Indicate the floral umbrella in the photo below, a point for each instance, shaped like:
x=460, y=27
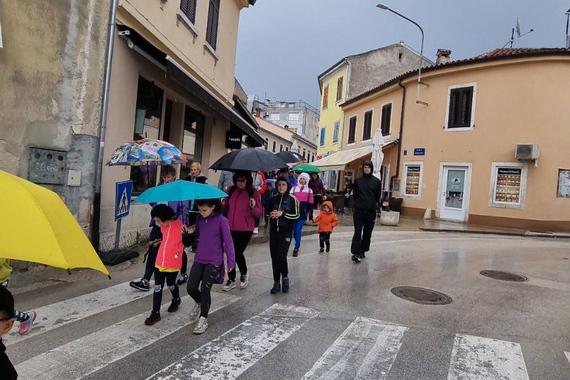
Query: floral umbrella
x=146, y=152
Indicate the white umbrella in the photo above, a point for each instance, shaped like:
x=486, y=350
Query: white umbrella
x=377, y=155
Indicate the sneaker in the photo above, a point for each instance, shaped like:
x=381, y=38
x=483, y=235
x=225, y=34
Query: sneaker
x=276, y=288
x=183, y=279
x=256, y=230
x=229, y=286
x=356, y=259
x=243, y=281
x=174, y=305
x=195, y=312
x=321, y=250
x=141, y=284
x=201, y=326
x=285, y=282
x=295, y=253
x=26, y=327
x=154, y=317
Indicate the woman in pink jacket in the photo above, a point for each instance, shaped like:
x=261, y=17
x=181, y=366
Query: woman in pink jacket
x=242, y=207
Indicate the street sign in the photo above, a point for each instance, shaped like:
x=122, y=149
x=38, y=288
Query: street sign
x=123, y=199
x=419, y=151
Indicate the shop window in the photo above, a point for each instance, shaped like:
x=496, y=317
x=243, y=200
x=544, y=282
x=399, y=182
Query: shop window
x=336, y=132
x=194, y=123
x=352, y=130
x=212, y=27
x=148, y=115
x=339, y=89
x=386, y=119
x=508, y=185
x=461, y=107
x=367, y=129
x=413, y=173
x=563, y=183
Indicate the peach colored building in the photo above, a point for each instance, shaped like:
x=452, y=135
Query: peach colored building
x=491, y=146
x=172, y=79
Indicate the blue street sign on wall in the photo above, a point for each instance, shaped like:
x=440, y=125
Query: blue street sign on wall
x=419, y=151
x=123, y=199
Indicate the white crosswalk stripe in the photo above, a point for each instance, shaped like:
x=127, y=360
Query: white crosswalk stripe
x=59, y=314
x=476, y=358
x=567, y=355
x=241, y=347
x=93, y=352
x=365, y=350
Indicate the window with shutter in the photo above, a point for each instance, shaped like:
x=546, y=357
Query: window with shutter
x=339, y=85
x=188, y=7
x=212, y=27
x=460, y=107
x=367, y=130
x=326, y=97
x=352, y=130
x=386, y=119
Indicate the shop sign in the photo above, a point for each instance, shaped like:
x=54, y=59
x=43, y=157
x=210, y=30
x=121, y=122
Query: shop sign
x=233, y=140
x=508, y=188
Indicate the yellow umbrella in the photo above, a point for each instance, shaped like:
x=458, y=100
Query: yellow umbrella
x=36, y=226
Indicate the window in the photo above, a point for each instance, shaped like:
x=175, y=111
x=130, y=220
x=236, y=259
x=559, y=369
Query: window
x=274, y=116
x=286, y=148
x=188, y=8
x=563, y=183
x=323, y=135
x=367, y=129
x=461, y=107
x=281, y=147
x=326, y=97
x=212, y=28
x=413, y=180
x=508, y=185
x=336, y=132
x=352, y=130
x=294, y=116
x=274, y=145
x=386, y=119
x=339, y=89
x=304, y=153
x=194, y=123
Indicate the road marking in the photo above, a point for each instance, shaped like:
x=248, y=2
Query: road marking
x=476, y=358
x=567, y=355
x=233, y=352
x=95, y=351
x=59, y=314
x=365, y=350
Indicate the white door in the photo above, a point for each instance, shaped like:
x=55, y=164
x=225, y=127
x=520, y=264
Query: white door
x=454, y=193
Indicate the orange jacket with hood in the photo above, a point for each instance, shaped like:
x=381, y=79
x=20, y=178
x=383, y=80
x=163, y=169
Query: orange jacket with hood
x=327, y=219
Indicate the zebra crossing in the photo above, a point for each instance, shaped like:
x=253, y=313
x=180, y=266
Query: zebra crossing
x=366, y=349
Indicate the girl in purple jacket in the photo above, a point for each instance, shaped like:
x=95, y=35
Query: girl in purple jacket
x=213, y=233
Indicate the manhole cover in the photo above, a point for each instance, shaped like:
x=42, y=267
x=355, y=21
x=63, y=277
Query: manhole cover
x=503, y=276
x=421, y=295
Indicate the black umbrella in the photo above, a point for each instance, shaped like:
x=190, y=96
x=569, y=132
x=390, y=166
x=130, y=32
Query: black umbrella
x=290, y=157
x=250, y=159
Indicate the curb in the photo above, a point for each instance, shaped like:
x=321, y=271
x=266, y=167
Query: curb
x=519, y=234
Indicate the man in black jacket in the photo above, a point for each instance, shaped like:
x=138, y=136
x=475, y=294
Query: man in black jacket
x=7, y=371
x=367, y=191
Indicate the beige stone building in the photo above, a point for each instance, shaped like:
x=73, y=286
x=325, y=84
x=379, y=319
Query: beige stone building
x=172, y=79
x=491, y=146
x=279, y=139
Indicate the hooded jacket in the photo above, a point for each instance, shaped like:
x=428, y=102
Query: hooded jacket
x=240, y=215
x=304, y=195
x=367, y=189
x=327, y=219
x=169, y=257
x=286, y=203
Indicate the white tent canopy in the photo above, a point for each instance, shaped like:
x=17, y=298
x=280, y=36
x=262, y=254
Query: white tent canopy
x=338, y=160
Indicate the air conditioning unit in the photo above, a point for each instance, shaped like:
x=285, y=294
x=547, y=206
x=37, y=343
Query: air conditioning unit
x=527, y=152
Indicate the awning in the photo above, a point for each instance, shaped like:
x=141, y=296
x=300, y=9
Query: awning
x=187, y=80
x=338, y=160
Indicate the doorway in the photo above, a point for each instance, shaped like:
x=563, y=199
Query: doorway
x=455, y=185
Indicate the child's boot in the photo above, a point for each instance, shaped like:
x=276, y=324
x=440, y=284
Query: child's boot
x=154, y=317
x=174, y=305
x=285, y=285
x=276, y=288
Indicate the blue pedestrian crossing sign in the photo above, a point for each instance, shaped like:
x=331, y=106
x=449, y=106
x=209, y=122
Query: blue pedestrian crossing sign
x=123, y=199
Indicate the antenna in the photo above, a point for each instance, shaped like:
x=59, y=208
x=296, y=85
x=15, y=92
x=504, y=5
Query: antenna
x=567, y=24
x=517, y=30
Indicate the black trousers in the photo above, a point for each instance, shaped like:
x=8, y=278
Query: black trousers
x=279, y=243
x=241, y=240
x=202, y=277
x=152, y=253
x=363, y=226
x=159, y=278
x=325, y=238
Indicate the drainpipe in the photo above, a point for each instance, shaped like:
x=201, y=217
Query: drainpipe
x=95, y=237
x=400, y=135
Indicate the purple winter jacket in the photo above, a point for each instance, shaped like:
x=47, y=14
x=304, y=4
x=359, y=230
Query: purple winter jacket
x=214, y=238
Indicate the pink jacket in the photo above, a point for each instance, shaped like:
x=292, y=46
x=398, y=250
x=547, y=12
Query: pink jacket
x=169, y=255
x=240, y=215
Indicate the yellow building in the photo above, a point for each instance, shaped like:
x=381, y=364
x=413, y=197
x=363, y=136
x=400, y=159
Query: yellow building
x=491, y=146
x=333, y=92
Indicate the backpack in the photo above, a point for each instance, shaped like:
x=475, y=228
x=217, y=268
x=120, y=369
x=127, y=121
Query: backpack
x=227, y=208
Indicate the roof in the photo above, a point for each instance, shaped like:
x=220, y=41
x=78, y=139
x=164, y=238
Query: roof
x=338, y=160
x=493, y=55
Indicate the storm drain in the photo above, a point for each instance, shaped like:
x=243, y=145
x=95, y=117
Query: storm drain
x=421, y=295
x=503, y=276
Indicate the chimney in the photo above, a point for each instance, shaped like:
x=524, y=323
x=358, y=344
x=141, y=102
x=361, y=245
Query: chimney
x=258, y=112
x=443, y=56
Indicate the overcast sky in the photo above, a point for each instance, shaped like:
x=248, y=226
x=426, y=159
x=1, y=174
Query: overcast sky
x=284, y=45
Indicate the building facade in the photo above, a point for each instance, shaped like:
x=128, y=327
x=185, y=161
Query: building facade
x=299, y=117
x=490, y=147
x=279, y=139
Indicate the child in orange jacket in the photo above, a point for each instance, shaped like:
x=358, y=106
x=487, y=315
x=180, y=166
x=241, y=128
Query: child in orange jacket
x=327, y=221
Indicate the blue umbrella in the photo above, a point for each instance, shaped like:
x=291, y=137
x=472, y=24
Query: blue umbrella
x=180, y=191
